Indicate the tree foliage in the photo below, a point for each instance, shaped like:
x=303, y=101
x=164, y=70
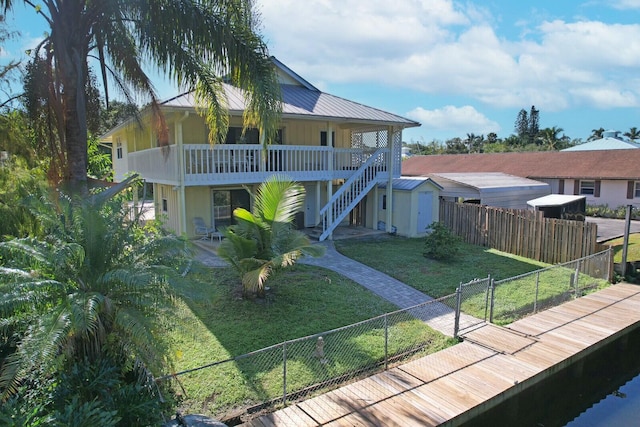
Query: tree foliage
x=264, y=240
x=92, y=286
x=196, y=43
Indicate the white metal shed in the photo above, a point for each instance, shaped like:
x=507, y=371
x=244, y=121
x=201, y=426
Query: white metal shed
x=490, y=188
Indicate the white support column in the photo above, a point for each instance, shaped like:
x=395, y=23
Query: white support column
x=376, y=207
x=316, y=219
x=329, y=194
x=331, y=154
x=182, y=213
x=389, y=212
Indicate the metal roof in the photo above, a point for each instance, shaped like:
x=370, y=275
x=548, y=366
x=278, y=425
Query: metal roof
x=606, y=143
x=301, y=102
x=409, y=183
x=489, y=180
x=554, y=200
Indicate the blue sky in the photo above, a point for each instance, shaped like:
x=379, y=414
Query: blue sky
x=456, y=67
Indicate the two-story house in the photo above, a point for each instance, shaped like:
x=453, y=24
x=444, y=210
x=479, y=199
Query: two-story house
x=338, y=149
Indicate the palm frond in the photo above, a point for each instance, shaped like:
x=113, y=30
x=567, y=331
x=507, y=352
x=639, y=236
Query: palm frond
x=279, y=199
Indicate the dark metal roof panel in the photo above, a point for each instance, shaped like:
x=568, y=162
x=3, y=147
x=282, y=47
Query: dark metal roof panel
x=300, y=101
x=408, y=184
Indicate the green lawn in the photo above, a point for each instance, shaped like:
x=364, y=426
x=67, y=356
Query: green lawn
x=633, y=251
x=402, y=259
x=213, y=324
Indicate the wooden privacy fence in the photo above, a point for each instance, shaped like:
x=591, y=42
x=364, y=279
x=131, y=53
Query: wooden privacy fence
x=520, y=232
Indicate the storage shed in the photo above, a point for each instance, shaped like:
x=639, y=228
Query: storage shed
x=562, y=206
x=415, y=205
x=490, y=188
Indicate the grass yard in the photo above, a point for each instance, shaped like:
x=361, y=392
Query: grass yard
x=213, y=324
x=402, y=259
x=515, y=298
x=633, y=251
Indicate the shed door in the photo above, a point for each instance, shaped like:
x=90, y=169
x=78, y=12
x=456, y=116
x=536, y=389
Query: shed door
x=425, y=210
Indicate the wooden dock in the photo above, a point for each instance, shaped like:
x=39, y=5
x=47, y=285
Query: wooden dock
x=491, y=364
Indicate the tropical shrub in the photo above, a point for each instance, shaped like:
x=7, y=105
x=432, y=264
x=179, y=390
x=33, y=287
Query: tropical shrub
x=440, y=243
x=264, y=240
x=94, y=288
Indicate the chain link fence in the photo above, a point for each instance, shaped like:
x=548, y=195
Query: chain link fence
x=505, y=301
x=289, y=371
x=295, y=369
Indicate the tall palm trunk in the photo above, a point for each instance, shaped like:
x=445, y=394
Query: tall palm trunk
x=70, y=39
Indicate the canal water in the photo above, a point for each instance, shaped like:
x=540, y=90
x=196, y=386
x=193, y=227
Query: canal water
x=601, y=390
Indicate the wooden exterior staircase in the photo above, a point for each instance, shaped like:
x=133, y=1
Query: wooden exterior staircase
x=372, y=172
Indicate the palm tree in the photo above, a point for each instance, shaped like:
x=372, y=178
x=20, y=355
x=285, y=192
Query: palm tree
x=633, y=134
x=549, y=137
x=264, y=240
x=596, y=134
x=196, y=43
x=92, y=288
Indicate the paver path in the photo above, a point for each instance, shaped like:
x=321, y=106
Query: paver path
x=437, y=315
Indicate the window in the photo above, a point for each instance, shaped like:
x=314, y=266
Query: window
x=225, y=202
x=323, y=138
x=587, y=188
x=235, y=136
x=119, y=150
x=636, y=193
x=165, y=203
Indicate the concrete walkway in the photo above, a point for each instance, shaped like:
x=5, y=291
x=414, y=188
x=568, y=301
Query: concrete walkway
x=437, y=315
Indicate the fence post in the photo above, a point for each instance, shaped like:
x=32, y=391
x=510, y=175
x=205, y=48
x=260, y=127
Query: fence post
x=535, y=302
x=284, y=373
x=576, y=279
x=493, y=291
x=610, y=264
x=386, y=342
x=456, y=325
x=486, y=298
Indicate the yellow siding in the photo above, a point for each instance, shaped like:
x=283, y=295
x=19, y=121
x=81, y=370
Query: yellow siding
x=194, y=130
x=297, y=132
x=198, y=204
x=170, y=218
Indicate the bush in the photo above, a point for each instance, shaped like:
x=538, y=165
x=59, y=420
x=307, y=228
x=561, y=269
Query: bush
x=85, y=394
x=604, y=211
x=441, y=243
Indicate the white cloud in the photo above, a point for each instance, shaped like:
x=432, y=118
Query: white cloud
x=626, y=4
x=451, y=118
x=444, y=47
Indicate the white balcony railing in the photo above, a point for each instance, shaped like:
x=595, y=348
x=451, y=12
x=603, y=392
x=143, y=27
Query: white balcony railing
x=246, y=163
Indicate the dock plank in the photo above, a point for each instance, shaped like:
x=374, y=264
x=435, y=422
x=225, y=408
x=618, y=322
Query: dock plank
x=492, y=362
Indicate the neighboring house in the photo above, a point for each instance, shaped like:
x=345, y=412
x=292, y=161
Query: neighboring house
x=414, y=206
x=605, y=177
x=338, y=149
x=611, y=140
x=490, y=188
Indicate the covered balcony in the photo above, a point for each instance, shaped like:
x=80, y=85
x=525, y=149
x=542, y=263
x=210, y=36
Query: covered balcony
x=222, y=164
